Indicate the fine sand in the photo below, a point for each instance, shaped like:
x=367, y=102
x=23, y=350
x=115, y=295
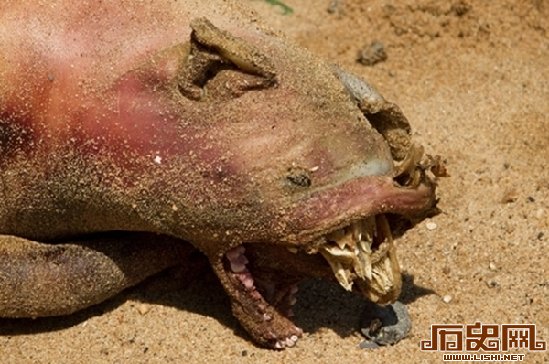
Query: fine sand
x=472, y=77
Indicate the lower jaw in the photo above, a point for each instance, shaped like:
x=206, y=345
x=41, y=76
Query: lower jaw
x=268, y=285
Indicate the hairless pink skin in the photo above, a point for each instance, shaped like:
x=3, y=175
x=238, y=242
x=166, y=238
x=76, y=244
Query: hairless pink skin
x=98, y=134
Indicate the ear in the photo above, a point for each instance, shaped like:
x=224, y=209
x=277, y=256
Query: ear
x=221, y=65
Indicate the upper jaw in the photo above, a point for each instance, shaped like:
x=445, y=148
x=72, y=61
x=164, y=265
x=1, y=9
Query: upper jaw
x=328, y=210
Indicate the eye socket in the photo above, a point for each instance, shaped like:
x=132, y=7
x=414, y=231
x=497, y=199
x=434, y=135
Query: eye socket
x=299, y=177
x=221, y=66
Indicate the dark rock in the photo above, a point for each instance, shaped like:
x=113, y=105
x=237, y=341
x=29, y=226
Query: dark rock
x=384, y=325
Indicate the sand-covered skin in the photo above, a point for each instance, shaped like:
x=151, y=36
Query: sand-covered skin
x=473, y=82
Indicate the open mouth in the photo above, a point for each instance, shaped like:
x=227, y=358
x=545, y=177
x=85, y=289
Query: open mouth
x=361, y=256
x=364, y=253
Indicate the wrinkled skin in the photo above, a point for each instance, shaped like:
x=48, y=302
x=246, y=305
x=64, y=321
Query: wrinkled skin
x=184, y=122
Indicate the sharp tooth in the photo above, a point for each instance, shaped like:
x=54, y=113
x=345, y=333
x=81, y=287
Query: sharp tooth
x=235, y=253
x=356, y=230
x=366, y=263
x=336, y=235
x=342, y=238
x=359, y=268
x=344, y=278
x=385, y=228
x=383, y=276
x=342, y=275
x=238, y=267
x=290, y=343
x=350, y=252
x=368, y=229
x=365, y=246
x=347, y=241
x=364, y=252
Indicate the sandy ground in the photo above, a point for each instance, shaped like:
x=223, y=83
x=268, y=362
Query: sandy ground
x=472, y=77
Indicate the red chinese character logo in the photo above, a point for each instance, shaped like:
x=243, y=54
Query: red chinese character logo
x=482, y=337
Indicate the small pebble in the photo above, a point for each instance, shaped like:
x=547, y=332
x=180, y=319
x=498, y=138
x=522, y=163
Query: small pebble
x=430, y=225
x=366, y=344
x=334, y=7
x=492, y=266
x=509, y=196
x=372, y=53
x=447, y=298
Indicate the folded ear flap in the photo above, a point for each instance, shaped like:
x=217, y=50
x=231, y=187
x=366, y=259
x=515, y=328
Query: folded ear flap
x=220, y=65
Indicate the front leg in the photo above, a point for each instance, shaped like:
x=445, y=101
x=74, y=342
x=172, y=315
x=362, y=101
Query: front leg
x=266, y=323
x=41, y=279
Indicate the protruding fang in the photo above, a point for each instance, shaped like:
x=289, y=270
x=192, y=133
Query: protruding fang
x=356, y=230
x=365, y=259
x=351, y=252
x=382, y=277
x=385, y=228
